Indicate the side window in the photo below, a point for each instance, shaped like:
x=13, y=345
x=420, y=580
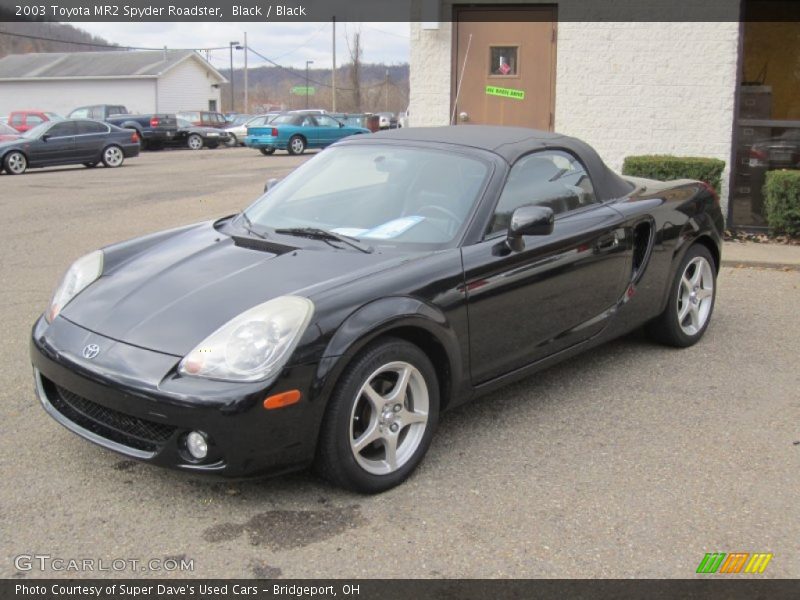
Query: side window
x=327, y=121
x=62, y=129
x=34, y=120
x=17, y=119
x=80, y=113
x=549, y=178
x=89, y=127
x=309, y=121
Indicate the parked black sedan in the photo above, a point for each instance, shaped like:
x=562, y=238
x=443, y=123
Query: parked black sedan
x=195, y=137
x=68, y=142
x=389, y=278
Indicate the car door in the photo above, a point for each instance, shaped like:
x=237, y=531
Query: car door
x=310, y=130
x=555, y=292
x=57, y=145
x=90, y=137
x=329, y=130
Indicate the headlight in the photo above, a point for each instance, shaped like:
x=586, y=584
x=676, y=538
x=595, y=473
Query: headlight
x=254, y=345
x=83, y=271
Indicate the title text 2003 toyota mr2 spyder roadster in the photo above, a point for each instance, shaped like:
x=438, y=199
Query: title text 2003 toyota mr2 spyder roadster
x=389, y=278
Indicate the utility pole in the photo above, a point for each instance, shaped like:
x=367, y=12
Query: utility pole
x=308, y=62
x=386, y=92
x=230, y=46
x=333, y=73
x=246, y=87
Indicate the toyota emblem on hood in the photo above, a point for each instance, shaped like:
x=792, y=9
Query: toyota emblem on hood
x=91, y=351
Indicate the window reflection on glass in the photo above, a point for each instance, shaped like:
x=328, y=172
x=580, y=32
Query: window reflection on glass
x=503, y=60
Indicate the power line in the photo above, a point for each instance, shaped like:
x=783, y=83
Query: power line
x=99, y=45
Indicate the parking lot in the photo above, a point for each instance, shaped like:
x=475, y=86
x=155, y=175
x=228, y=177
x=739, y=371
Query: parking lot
x=631, y=461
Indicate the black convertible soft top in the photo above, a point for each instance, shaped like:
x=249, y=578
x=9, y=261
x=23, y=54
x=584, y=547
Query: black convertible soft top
x=513, y=142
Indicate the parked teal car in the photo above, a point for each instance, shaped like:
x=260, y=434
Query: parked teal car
x=294, y=132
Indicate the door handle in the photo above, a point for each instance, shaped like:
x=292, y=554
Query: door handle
x=607, y=242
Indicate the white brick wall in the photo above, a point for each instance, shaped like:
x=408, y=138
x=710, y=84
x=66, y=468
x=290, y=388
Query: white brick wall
x=625, y=88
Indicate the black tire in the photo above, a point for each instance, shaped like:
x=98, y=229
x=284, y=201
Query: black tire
x=668, y=328
x=232, y=141
x=113, y=156
x=143, y=145
x=296, y=145
x=194, y=142
x=267, y=151
x=336, y=460
x=15, y=163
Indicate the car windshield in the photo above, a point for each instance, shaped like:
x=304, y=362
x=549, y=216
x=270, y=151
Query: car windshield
x=384, y=195
x=36, y=132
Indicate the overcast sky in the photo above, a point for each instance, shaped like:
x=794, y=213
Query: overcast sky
x=289, y=44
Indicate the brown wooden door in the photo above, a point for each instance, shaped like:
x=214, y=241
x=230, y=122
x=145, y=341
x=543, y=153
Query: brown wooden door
x=509, y=75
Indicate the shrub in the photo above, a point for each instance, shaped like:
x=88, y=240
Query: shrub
x=782, y=201
x=666, y=168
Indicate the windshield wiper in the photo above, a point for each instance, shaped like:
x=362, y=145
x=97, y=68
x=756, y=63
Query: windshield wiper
x=324, y=234
x=248, y=226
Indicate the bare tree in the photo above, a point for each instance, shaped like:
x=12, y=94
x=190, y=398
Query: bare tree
x=356, y=52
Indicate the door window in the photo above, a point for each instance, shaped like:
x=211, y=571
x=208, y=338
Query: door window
x=309, y=121
x=550, y=178
x=62, y=129
x=327, y=121
x=34, y=120
x=90, y=127
x=503, y=60
x=17, y=119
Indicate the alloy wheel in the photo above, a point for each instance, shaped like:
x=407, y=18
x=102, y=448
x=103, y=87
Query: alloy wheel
x=113, y=157
x=389, y=418
x=16, y=163
x=695, y=295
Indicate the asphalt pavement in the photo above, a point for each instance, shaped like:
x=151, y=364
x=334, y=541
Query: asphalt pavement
x=633, y=460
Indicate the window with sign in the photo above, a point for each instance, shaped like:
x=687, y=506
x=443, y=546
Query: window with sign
x=503, y=61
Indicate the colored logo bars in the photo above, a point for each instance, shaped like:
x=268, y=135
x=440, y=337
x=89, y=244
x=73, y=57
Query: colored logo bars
x=719, y=562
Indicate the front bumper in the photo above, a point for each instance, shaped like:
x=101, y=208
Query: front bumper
x=132, y=401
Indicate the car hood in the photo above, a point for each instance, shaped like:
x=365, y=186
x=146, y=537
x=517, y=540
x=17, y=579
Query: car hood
x=174, y=294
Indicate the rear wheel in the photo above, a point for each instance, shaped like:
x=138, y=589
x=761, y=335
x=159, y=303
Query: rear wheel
x=690, y=303
x=297, y=145
x=113, y=157
x=380, y=419
x=194, y=142
x=15, y=163
x=267, y=151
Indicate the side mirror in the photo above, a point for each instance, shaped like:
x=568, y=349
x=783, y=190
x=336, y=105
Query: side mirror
x=341, y=125
x=45, y=137
x=529, y=220
x=271, y=183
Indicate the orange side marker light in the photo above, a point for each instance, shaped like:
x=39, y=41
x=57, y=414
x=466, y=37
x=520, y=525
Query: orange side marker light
x=282, y=399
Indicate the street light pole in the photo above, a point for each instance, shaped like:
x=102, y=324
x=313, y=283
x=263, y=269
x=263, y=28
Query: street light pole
x=308, y=62
x=238, y=47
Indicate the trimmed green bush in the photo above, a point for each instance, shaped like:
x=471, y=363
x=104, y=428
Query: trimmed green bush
x=782, y=201
x=664, y=167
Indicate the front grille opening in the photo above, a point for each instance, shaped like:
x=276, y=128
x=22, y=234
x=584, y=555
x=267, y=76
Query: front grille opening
x=111, y=424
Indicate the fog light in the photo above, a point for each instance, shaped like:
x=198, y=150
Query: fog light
x=197, y=445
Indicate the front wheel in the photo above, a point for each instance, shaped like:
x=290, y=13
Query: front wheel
x=232, y=141
x=15, y=163
x=380, y=418
x=267, y=151
x=691, y=301
x=297, y=145
x=113, y=157
x=194, y=142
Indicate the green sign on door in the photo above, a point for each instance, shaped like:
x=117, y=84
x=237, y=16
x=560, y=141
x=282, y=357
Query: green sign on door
x=505, y=92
